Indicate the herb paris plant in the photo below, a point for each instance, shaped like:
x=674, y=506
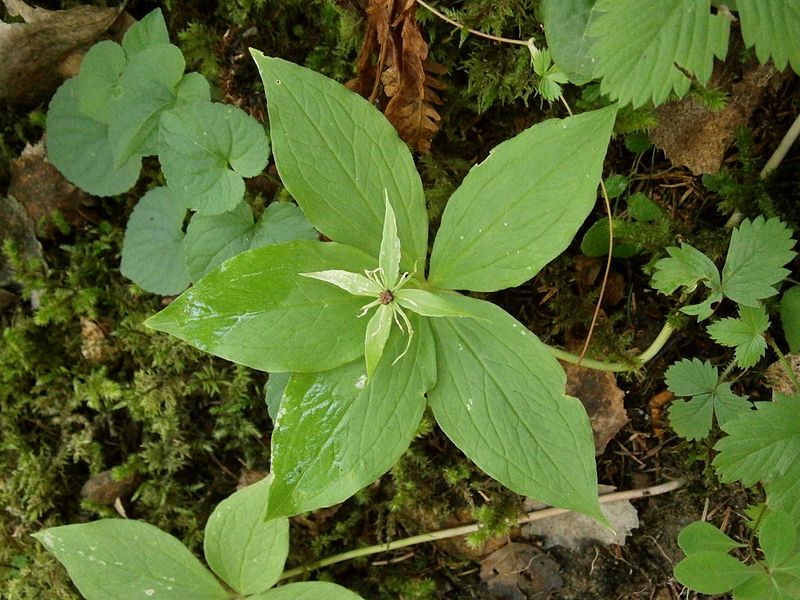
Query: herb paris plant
x=493, y=387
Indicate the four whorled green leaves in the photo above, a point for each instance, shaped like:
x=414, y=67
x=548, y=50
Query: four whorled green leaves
x=318, y=309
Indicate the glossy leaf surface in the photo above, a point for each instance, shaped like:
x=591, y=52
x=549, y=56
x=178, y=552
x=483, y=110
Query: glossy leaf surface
x=257, y=311
x=338, y=157
x=337, y=432
x=129, y=560
x=246, y=551
x=520, y=208
x=500, y=398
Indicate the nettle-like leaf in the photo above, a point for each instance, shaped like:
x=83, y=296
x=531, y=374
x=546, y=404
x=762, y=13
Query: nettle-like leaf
x=257, y=310
x=656, y=53
x=566, y=24
x=153, y=248
x=150, y=31
x=692, y=419
x=243, y=548
x=764, y=446
x=758, y=251
x=773, y=27
x=500, y=398
x=709, y=569
x=147, y=89
x=337, y=156
x=336, y=432
x=790, y=317
x=98, y=81
x=687, y=267
x=206, y=149
x=79, y=147
x=520, y=208
x=118, y=558
x=551, y=76
x=746, y=334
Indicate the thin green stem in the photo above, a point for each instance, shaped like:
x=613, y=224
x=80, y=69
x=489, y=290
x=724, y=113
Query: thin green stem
x=467, y=529
x=616, y=367
x=785, y=363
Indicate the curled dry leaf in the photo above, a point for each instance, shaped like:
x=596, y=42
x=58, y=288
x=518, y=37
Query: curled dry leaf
x=603, y=400
x=95, y=346
x=518, y=572
x=43, y=191
x=36, y=52
x=693, y=135
x=778, y=379
x=403, y=79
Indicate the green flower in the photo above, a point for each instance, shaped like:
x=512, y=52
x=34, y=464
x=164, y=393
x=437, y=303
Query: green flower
x=391, y=296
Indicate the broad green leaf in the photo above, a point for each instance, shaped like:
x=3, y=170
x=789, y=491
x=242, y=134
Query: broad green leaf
x=308, y=590
x=790, y=317
x=98, y=81
x=686, y=267
x=757, y=254
x=746, y=334
x=257, y=310
x=701, y=536
x=78, y=146
x=244, y=549
x=712, y=572
x=550, y=76
x=616, y=185
x=761, y=586
x=150, y=31
x=153, y=248
x=282, y=222
x=520, y=208
x=777, y=537
x=378, y=330
x=193, y=88
x=773, y=27
x=693, y=419
x=642, y=209
x=500, y=398
x=211, y=240
x=129, y=560
x=762, y=445
x=595, y=240
x=147, y=89
x=206, y=149
x=649, y=56
x=273, y=393
x=337, y=431
x=432, y=304
x=336, y=154
x=783, y=491
x=565, y=26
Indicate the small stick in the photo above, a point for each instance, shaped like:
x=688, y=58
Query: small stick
x=488, y=36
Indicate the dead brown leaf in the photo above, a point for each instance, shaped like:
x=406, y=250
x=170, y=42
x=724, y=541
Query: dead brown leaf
x=102, y=488
x=518, y=572
x=37, y=52
x=777, y=377
x=95, y=344
x=394, y=71
x=603, y=400
x=694, y=136
x=43, y=191
x=657, y=404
